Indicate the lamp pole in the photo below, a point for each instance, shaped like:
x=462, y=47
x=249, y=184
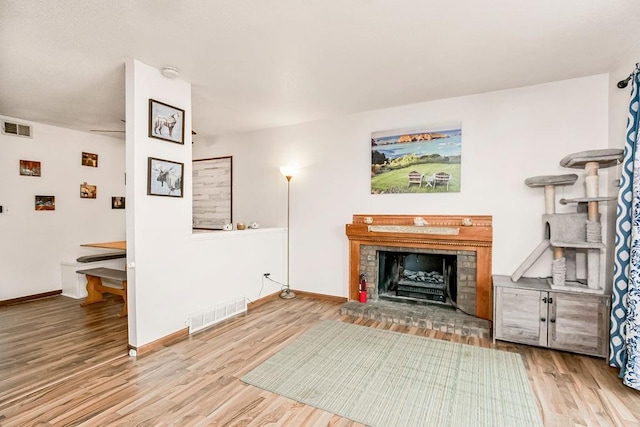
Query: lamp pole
x=287, y=172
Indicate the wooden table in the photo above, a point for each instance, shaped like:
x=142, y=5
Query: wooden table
x=122, y=245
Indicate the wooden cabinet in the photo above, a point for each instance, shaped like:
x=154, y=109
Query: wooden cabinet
x=529, y=312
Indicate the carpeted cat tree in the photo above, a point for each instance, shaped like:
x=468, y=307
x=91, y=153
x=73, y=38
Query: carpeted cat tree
x=570, y=233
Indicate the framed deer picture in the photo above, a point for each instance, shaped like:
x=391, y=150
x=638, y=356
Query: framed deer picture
x=165, y=178
x=166, y=122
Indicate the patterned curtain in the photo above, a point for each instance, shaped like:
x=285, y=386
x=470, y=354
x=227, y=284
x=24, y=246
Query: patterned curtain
x=625, y=308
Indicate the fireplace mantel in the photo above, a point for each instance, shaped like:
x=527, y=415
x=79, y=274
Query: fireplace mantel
x=449, y=232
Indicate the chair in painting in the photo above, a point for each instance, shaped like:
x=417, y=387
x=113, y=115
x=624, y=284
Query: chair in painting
x=441, y=178
x=415, y=178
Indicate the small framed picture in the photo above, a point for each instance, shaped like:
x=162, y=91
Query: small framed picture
x=29, y=168
x=90, y=159
x=164, y=178
x=45, y=203
x=88, y=191
x=117, y=202
x=166, y=122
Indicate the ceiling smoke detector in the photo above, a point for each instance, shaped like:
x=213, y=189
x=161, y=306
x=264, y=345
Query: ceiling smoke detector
x=169, y=72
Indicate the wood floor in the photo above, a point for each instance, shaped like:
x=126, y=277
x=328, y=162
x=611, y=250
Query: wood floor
x=47, y=340
x=195, y=382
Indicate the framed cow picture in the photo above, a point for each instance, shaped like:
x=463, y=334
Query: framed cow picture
x=165, y=178
x=166, y=122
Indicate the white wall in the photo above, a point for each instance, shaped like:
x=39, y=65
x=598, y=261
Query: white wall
x=507, y=136
x=35, y=242
x=172, y=272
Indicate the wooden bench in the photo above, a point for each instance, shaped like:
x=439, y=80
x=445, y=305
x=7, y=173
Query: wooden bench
x=95, y=287
x=102, y=257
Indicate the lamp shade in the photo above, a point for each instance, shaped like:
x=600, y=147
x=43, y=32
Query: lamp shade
x=288, y=171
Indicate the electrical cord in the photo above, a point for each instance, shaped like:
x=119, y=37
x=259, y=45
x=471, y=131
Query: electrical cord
x=282, y=285
x=447, y=292
x=261, y=287
x=455, y=305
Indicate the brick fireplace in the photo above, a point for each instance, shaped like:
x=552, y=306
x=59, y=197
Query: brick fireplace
x=466, y=238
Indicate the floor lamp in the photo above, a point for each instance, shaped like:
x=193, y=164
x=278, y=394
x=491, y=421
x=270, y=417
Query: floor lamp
x=288, y=172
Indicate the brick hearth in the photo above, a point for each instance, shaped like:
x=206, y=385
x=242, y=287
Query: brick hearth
x=421, y=316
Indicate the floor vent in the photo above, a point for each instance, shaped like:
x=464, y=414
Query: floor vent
x=16, y=129
x=216, y=314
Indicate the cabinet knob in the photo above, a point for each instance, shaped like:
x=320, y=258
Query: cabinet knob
x=552, y=320
x=542, y=319
x=550, y=300
x=544, y=300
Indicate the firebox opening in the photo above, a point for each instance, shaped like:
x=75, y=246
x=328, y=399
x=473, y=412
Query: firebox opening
x=417, y=277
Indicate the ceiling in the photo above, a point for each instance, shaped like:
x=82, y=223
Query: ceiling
x=265, y=63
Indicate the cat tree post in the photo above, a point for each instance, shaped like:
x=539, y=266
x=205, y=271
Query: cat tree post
x=550, y=199
x=550, y=208
x=591, y=183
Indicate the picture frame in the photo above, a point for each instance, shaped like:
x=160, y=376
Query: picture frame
x=88, y=191
x=212, y=193
x=45, y=203
x=423, y=160
x=89, y=159
x=117, y=202
x=166, y=122
x=165, y=178
x=30, y=168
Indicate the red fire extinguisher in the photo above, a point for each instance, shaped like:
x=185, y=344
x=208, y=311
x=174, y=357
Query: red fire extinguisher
x=362, y=289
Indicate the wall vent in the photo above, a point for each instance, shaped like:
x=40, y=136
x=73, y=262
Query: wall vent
x=16, y=129
x=203, y=319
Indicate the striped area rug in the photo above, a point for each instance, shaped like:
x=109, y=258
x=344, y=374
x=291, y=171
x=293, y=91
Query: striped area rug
x=385, y=378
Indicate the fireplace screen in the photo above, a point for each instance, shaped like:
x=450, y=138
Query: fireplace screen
x=417, y=277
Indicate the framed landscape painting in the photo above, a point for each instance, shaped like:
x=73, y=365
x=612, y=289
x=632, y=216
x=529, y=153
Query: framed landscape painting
x=166, y=122
x=417, y=160
x=164, y=178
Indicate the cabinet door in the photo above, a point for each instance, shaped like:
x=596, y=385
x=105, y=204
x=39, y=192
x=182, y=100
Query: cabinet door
x=519, y=316
x=579, y=323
